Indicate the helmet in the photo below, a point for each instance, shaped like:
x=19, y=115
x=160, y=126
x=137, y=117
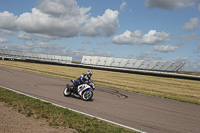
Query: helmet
x=89, y=73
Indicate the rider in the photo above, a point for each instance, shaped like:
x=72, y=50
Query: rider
x=83, y=79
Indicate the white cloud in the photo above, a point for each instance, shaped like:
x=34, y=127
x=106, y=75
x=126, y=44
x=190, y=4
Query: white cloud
x=170, y=4
x=153, y=37
x=40, y=23
x=105, y=25
x=31, y=46
x=59, y=8
x=35, y=36
x=136, y=37
x=3, y=40
x=51, y=48
x=165, y=48
x=6, y=32
x=128, y=37
x=41, y=47
x=53, y=19
x=8, y=21
x=193, y=24
x=123, y=5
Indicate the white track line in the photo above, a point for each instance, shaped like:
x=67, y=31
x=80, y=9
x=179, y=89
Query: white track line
x=121, y=125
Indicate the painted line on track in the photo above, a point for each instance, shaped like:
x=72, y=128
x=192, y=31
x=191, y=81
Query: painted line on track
x=108, y=121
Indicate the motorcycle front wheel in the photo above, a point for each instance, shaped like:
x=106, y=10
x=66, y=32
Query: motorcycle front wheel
x=87, y=95
x=67, y=92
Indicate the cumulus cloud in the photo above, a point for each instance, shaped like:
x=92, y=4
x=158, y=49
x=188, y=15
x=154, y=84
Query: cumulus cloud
x=192, y=25
x=105, y=25
x=165, y=48
x=35, y=36
x=170, y=4
x=60, y=19
x=153, y=37
x=6, y=32
x=30, y=46
x=38, y=22
x=123, y=5
x=3, y=40
x=55, y=49
x=60, y=8
x=128, y=37
x=137, y=37
x=8, y=21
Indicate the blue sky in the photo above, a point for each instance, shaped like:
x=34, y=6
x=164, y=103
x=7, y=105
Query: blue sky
x=160, y=30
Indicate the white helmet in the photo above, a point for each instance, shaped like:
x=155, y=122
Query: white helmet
x=89, y=73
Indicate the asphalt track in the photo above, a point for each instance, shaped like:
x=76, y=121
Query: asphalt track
x=146, y=113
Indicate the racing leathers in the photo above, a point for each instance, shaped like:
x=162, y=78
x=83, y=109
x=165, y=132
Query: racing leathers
x=81, y=80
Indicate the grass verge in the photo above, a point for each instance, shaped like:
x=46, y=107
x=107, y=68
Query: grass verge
x=172, y=88
x=57, y=116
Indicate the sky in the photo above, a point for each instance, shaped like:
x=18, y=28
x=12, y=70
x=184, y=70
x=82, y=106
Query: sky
x=159, y=30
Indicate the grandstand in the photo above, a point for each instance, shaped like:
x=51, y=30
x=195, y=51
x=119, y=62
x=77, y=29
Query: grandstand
x=147, y=67
x=19, y=55
x=132, y=64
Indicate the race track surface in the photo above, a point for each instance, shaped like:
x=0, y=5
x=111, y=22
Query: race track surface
x=147, y=113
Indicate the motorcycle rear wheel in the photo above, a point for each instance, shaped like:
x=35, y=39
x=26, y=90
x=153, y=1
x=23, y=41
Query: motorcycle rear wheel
x=67, y=92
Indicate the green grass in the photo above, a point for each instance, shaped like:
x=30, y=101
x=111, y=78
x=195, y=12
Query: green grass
x=57, y=116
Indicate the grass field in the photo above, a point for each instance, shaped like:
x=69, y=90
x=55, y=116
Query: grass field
x=172, y=88
x=57, y=116
x=190, y=73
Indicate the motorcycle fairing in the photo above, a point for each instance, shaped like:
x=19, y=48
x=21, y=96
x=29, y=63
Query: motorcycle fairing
x=82, y=88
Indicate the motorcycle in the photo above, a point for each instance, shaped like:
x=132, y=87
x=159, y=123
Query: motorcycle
x=84, y=91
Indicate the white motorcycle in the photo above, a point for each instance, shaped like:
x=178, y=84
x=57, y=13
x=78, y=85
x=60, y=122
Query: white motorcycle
x=83, y=91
